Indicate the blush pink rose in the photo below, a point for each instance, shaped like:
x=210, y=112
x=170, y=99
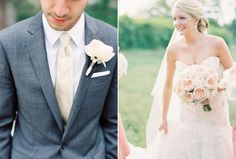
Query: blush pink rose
x=199, y=93
x=179, y=91
x=188, y=97
x=187, y=84
x=211, y=83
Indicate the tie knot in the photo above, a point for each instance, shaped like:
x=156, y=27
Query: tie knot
x=65, y=39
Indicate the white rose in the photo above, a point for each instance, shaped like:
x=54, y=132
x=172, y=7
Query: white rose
x=96, y=49
x=99, y=53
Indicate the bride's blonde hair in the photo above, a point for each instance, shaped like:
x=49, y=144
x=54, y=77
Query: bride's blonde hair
x=193, y=8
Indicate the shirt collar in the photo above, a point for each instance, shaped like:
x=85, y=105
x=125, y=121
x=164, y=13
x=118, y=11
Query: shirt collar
x=76, y=32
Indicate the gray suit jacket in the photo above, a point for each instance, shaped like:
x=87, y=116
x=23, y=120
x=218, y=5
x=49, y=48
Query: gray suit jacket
x=27, y=96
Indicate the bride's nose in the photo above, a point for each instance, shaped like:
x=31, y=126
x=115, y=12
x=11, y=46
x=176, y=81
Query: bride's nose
x=177, y=23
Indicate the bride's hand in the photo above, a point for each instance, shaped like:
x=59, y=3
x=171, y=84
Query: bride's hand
x=164, y=126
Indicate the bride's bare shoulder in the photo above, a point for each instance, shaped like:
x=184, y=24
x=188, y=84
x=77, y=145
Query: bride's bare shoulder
x=217, y=44
x=174, y=47
x=214, y=40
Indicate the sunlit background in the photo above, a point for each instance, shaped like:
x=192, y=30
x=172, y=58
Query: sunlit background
x=221, y=10
x=145, y=28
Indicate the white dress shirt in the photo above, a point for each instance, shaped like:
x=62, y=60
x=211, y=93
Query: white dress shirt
x=52, y=42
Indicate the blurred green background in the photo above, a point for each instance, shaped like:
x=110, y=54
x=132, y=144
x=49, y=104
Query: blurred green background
x=143, y=40
x=12, y=11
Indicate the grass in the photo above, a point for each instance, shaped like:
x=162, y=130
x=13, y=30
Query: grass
x=134, y=92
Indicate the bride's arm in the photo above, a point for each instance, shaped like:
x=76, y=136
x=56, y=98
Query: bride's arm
x=168, y=87
x=224, y=54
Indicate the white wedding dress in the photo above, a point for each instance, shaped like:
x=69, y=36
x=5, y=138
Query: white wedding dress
x=197, y=134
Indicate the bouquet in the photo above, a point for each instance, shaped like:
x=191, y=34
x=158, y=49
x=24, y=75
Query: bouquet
x=197, y=84
x=229, y=83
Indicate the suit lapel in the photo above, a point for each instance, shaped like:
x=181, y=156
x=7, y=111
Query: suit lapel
x=91, y=30
x=37, y=51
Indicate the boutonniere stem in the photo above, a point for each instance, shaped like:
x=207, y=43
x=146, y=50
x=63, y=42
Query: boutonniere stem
x=90, y=68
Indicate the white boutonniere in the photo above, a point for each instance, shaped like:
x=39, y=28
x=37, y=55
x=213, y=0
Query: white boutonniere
x=98, y=53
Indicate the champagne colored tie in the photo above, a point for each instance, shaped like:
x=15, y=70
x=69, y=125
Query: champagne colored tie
x=64, y=77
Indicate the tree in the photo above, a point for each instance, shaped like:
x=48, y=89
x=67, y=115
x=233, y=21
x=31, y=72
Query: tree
x=161, y=8
x=105, y=10
x=3, y=13
x=24, y=9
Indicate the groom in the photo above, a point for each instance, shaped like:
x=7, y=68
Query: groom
x=59, y=112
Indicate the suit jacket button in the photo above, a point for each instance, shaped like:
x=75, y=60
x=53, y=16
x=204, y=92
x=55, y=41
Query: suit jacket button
x=63, y=146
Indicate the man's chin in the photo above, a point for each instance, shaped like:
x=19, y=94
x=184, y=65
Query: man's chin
x=60, y=28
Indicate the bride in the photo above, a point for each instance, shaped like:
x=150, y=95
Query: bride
x=176, y=129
